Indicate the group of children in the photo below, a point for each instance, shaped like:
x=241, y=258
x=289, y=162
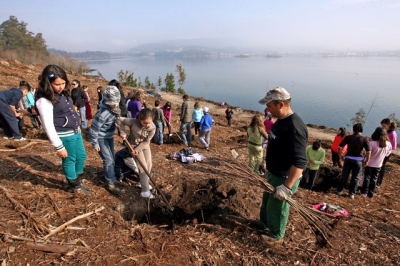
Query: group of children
x=355, y=150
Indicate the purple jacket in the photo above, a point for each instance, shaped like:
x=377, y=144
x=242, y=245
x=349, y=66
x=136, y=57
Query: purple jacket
x=134, y=107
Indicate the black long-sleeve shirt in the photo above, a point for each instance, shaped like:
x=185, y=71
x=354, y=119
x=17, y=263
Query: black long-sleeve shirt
x=287, y=143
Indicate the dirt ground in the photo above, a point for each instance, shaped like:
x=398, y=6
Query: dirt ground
x=43, y=224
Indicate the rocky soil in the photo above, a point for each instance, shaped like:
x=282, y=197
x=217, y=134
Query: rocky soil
x=42, y=223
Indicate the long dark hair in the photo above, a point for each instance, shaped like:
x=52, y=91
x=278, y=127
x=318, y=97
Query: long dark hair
x=49, y=74
x=342, y=132
x=381, y=136
x=392, y=125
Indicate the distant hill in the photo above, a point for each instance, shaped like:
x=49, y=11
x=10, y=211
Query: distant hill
x=82, y=55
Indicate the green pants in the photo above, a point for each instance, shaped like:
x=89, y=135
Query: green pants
x=255, y=156
x=73, y=165
x=274, y=213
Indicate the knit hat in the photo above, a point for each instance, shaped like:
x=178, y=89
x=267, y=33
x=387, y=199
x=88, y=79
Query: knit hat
x=278, y=93
x=206, y=110
x=111, y=95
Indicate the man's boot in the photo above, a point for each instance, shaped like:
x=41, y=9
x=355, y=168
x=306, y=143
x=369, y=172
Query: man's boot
x=80, y=176
x=75, y=186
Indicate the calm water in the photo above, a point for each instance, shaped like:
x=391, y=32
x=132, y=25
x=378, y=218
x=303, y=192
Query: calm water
x=325, y=90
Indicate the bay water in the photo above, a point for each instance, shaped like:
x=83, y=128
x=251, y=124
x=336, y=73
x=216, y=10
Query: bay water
x=325, y=90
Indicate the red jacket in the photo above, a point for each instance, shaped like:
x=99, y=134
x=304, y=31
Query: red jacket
x=335, y=145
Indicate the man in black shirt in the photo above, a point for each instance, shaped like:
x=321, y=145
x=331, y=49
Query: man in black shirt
x=286, y=161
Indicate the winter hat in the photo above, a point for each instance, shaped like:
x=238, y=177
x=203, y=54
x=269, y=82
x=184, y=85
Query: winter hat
x=206, y=110
x=111, y=95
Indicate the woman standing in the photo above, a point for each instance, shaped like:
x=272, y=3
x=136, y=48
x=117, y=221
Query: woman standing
x=255, y=134
x=335, y=147
x=142, y=131
x=380, y=149
x=61, y=123
x=228, y=115
x=354, y=159
x=390, y=127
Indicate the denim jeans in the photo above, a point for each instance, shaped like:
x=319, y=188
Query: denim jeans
x=73, y=165
x=125, y=165
x=82, y=113
x=370, y=178
x=353, y=167
x=188, y=137
x=158, y=136
x=204, y=137
x=107, y=154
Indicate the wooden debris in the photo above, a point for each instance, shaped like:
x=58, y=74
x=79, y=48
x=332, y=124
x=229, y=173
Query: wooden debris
x=54, y=248
x=61, y=227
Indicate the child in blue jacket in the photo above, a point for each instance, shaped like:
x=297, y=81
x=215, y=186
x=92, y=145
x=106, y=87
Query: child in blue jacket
x=101, y=134
x=206, y=123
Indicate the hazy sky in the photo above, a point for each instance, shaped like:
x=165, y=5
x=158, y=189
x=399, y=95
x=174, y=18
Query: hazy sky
x=280, y=25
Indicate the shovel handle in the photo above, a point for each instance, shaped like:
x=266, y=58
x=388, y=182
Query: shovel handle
x=150, y=176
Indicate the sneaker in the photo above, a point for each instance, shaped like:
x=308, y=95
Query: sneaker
x=140, y=186
x=270, y=240
x=364, y=195
x=351, y=196
x=21, y=139
x=147, y=195
x=5, y=137
x=113, y=189
x=339, y=193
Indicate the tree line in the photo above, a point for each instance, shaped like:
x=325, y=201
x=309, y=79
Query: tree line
x=127, y=78
x=18, y=43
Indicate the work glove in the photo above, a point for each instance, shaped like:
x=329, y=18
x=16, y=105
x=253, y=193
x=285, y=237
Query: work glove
x=282, y=192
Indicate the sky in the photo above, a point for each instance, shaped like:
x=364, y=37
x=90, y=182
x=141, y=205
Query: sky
x=265, y=25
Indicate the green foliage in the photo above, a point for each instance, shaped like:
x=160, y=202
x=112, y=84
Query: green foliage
x=14, y=35
x=181, y=91
x=153, y=87
x=126, y=78
x=393, y=118
x=359, y=118
x=182, y=74
x=159, y=82
x=169, y=83
x=147, y=83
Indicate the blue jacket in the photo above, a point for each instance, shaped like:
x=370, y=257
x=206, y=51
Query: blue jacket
x=206, y=122
x=11, y=96
x=197, y=114
x=103, y=125
x=30, y=100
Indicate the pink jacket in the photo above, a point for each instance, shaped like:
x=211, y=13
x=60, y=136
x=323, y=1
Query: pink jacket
x=378, y=153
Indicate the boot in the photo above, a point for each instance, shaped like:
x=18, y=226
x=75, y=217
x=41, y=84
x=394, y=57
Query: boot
x=75, y=186
x=113, y=189
x=80, y=178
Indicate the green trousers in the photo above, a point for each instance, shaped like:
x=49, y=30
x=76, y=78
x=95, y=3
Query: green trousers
x=73, y=165
x=274, y=213
x=255, y=156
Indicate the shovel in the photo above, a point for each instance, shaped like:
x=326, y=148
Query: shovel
x=150, y=176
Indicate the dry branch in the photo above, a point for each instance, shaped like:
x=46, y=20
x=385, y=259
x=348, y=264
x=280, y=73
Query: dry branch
x=21, y=148
x=320, y=223
x=31, y=217
x=61, y=227
x=54, y=248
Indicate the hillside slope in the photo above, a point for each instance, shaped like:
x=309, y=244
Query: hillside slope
x=209, y=224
